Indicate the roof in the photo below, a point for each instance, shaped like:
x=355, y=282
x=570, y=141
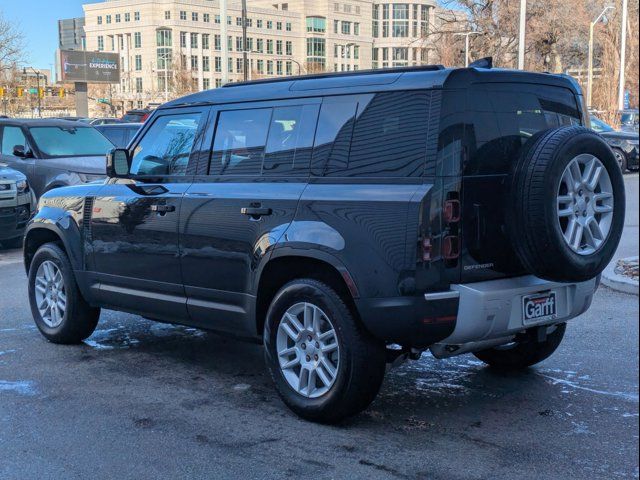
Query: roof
x=366, y=81
x=42, y=122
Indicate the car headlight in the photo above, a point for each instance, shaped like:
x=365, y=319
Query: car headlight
x=22, y=186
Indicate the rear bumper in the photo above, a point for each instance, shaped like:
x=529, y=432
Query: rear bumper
x=490, y=313
x=469, y=317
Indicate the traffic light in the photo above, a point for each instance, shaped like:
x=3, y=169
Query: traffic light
x=41, y=92
x=1, y=92
x=20, y=92
x=61, y=92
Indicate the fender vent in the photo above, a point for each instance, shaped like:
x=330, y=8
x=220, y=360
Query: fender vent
x=86, y=219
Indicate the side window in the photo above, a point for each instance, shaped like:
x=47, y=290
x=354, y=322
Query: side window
x=12, y=136
x=333, y=138
x=239, y=145
x=290, y=141
x=166, y=147
x=390, y=136
x=114, y=135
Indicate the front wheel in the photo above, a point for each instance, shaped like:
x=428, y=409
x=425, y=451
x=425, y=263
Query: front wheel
x=524, y=353
x=326, y=367
x=621, y=158
x=60, y=312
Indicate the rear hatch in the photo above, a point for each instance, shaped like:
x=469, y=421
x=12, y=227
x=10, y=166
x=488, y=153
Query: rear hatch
x=501, y=118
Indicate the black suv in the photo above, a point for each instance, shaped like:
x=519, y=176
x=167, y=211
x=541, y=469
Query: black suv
x=347, y=221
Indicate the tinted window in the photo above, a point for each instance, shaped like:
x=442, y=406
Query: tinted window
x=115, y=136
x=390, y=136
x=290, y=141
x=12, y=136
x=166, y=147
x=504, y=117
x=70, y=141
x=333, y=137
x=239, y=145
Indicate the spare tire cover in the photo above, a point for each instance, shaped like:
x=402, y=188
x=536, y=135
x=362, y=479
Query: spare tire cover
x=566, y=205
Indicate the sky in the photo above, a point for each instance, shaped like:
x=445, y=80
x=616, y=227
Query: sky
x=38, y=21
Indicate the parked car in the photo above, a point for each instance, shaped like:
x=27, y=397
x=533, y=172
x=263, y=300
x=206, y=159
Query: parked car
x=53, y=153
x=624, y=144
x=120, y=134
x=345, y=221
x=103, y=121
x=136, y=116
x=629, y=120
x=16, y=204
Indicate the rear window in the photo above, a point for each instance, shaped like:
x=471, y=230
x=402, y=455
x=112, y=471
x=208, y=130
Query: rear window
x=503, y=117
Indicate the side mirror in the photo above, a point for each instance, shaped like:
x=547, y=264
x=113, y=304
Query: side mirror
x=118, y=163
x=20, y=151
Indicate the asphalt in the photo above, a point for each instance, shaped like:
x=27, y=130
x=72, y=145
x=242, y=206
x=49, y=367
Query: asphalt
x=142, y=400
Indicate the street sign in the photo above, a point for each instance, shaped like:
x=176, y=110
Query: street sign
x=104, y=100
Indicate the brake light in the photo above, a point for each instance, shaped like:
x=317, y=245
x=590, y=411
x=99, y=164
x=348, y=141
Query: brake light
x=426, y=250
x=451, y=211
x=451, y=247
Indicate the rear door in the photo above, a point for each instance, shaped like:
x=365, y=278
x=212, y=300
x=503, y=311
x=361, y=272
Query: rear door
x=241, y=204
x=502, y=118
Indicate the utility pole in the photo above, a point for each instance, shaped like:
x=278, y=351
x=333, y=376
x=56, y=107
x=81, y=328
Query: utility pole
x=466, y=36
x=592, y=26
x=623, y=53
x=245, y=56
x=224, y=42
x=521, y=41
x=37, y=72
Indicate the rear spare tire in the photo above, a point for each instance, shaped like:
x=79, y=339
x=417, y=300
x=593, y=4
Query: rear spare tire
x=566, y=205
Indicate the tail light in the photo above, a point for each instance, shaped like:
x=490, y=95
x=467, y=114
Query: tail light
x=451, y=247
x=426, y=249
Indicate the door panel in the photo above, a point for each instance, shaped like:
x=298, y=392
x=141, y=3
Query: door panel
x=134, y=225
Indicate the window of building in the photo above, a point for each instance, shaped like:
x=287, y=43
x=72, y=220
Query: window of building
x=288, y=27
x=194, y=16
x=289, y=48
x=194, y=40
x=206, y=18
x=100, y=43
x=259, y=23
x=136, y=16
x=206, y=83
x=239, y=42
x=279, y=49
x=316, y=53
x=99, y=19
x=108, y=17
x=269, y=67
x=137, y=40
x=239, y=145
x=316, y=24
x=217, y=42
x=260, y=67
x=346, y=28
x=183, y=39
x=194, y=63
x=166, y=147
x=336, y=26
x=278, y=25
x=138, y=85
x=269, y=25
x=279, y=67
x=218, y=64
x=183, y=15
x=356, y=28
x=347, y=8
x=127, y=17
x=205, y=41
x=206, y=63
x=167, y=15
x=138, y=62
x=289, y=67
x=270, y=47
x=118, y=18
x=400, y=56
x=163, y=37
x=260, y=45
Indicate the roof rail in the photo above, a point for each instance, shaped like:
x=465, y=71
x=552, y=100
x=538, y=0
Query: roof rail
x=355, y=73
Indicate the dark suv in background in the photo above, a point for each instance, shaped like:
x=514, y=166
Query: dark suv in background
x=346, y=221
x=53, y=153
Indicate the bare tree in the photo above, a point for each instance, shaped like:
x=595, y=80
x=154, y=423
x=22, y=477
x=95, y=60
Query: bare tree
x=11, y=44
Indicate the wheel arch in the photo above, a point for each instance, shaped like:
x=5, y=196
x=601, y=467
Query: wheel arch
x=285, y=266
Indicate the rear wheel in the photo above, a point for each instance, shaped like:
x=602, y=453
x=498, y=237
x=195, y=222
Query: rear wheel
x=621, y=158
x=59, y=310
x=326, y=367
x=524, y=353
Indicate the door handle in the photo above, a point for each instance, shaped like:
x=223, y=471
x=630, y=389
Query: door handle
x=162, y=209
x=256, y=212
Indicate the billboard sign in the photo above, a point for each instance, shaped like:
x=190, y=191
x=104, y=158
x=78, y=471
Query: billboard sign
x=89, y=67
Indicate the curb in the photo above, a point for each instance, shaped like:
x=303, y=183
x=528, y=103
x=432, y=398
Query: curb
x=617, y=282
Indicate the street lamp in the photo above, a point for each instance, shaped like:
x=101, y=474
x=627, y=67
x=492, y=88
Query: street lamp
x=37, y=72
x=466, y=36
x=623, y=53
x=590, y=67
x=521, y=36
x=345, y=51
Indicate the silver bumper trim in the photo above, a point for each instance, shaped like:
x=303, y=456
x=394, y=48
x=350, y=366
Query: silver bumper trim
x=441, y=295
x=491, y=311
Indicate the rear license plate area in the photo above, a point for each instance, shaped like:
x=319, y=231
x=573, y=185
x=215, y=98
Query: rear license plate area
x=540, y=306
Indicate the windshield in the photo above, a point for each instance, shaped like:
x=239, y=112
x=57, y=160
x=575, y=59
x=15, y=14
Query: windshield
x=599, y=126
x=70, y=141
x=629, y=118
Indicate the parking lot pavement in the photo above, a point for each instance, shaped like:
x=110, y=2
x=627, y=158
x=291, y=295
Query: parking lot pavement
x=145, y=400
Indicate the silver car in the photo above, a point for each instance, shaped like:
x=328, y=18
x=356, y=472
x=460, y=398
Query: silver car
x=17, y=202
x=53, y=153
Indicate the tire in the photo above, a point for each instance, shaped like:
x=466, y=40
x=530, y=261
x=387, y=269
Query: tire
x=12, y=244
x=621, y=158
x=361, y=358
x=534, y=223
x=78, y=320
x=523, y=354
